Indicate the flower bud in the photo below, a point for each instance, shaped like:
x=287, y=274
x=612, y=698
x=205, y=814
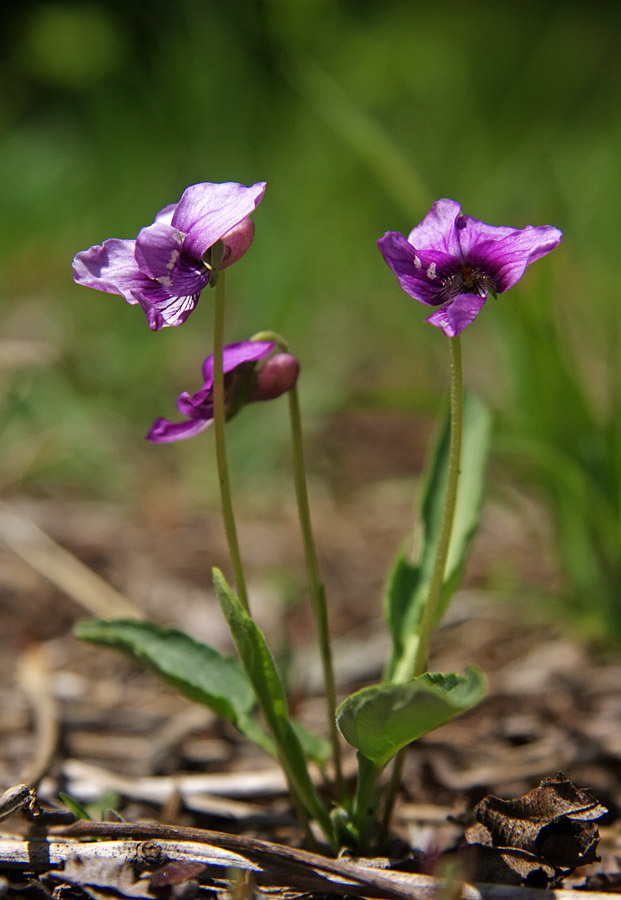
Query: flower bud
x=276, y=377
x=236, y=242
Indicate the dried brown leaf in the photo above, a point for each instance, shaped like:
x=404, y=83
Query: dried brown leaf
x=549, y=831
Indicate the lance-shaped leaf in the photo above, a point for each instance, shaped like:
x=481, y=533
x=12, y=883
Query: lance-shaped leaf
x=408, y=583
x=193, y=668
x=381, y=719
x=261, y=670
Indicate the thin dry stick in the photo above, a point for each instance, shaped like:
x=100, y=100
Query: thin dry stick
x=63, y=569
x=17, y=798
x=35, y=679
x=272, y=864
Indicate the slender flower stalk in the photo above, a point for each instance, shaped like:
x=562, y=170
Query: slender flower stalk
x=448, y=513
x=219, y=418
x=413, y=661
x=418, y=665
x=316, y=586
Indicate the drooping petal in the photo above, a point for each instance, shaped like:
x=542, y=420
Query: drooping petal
x=158, y=248
x=111, y=267
x=164, y=432
x=456, y=315
x=438, y=230
x=206, y=212
x=198, y=405
x=161, y=309
x=507, y=259
x=416, y=270
x=234, y=355
x=159, y=253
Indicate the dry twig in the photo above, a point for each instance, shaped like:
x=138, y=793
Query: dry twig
x=150, y=848
x=34, y=678
x=62, y=568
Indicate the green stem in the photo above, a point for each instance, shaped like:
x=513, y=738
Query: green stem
x=317, y=589
x=219, y=418
x=423, y=636
x=303, y=816
x=366, y=802
x=450, y=499
x=316, y=586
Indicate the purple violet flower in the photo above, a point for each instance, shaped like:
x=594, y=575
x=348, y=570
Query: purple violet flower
x=243, y=383
x=167, y=266
x=453, y=261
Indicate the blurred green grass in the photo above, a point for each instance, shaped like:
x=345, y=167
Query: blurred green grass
x=358, y=115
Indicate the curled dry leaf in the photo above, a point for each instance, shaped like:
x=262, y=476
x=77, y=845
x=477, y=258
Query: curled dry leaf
x=537, y=838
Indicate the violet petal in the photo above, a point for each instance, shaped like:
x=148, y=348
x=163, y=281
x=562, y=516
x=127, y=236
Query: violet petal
x=198, y=405
x=438, y=231
x=416, y=270
x=111, y=267
x=165, y=215
x=163, y=431
x=159, y=252
x=234, y=355
x=161, y=309
x=507, y=259
x=158, y=248
x=471, y=232
x=456, y=315
x=206, y=212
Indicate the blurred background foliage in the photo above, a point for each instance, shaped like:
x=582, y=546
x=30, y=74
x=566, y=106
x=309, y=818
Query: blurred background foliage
x=358, y=114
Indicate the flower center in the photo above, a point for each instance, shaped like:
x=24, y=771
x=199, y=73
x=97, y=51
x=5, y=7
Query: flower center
x=466, y=279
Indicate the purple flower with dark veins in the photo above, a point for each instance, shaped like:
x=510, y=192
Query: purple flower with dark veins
x=453, y=261
x=243, y=383
x=168, y=265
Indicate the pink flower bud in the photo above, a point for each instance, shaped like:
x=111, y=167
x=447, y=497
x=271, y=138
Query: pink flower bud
x=276, y=377
x=236, y=242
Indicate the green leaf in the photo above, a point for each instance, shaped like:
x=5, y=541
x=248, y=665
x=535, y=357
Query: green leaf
x=408, y=583
x=381, y=719
x=97, y=810
x=193, y=668
x=476, y=439
x=404, y=598
x=79, y=811
x=261, y=670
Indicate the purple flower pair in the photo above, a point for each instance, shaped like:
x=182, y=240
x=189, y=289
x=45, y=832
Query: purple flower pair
x=167, y=266
x=452, y=261
x=165, y=269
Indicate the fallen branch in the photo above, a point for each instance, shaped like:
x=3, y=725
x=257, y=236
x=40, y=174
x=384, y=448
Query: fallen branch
x=149, y=849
